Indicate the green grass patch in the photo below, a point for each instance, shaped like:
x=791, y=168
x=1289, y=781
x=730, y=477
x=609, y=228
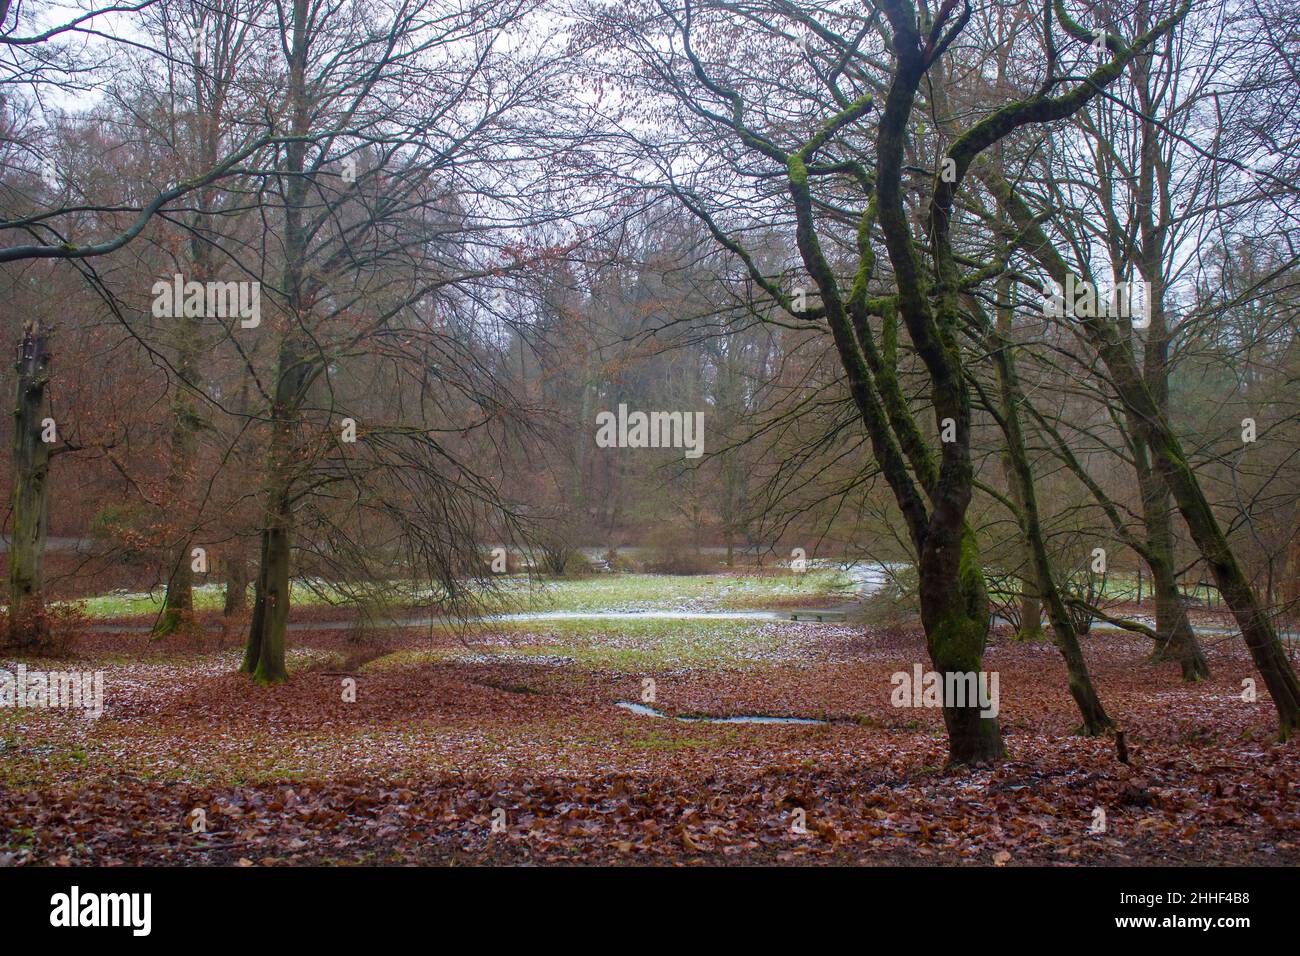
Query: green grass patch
x=603, y=592
x=631, y=645
x=630, y=592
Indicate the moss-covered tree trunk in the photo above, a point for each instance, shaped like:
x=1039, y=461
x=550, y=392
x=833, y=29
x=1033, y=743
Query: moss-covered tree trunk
x=1175, y=471
x=955, y=615
x=29, y=501
x=1175, y=641
x=1155, y=215
x=1031, y=604
x=264, y=655
x=178, y=602
x=954, y=603
x=1095, y=719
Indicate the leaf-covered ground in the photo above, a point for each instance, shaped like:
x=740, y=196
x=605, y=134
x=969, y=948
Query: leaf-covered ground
x=518, y=726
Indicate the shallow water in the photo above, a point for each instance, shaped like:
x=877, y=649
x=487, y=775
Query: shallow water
x=639, y=615
x=645, y=711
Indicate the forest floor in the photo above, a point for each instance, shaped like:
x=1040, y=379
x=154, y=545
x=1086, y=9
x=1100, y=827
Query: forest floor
x=504, y=742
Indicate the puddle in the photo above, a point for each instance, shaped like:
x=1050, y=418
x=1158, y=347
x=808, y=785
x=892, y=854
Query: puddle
x=644, y=711
x=637, y=615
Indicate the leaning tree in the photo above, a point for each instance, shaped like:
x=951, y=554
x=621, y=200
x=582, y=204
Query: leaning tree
x=810, y=116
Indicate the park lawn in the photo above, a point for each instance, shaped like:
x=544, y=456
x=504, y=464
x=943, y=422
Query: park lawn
x=598, y=592
x=621, y=592
x=702, y=592
x=632, y=645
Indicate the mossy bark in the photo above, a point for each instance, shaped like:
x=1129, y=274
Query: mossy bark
x=1176, y=641
x=178, y=603
x=29, y=501
x=954, y=603
x=955, y=614
x=295, y=369
x=1095, y=719
x=1171, y=464
x=264, y=652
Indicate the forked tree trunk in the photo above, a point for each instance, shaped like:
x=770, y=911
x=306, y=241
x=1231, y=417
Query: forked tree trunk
x=29, y=503
x=264, y=652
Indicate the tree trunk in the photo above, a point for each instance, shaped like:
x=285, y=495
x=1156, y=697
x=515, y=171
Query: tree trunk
x=178, y=604
x=1265, y=648
x=1155, y=215
x=264, y=652
x=236, y=586
x=1176, y=641
x=1031, y=605
x=956, y=622
x=29, y=502
x=1031, y=611
x=1095, y=719
x=1257, y=630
